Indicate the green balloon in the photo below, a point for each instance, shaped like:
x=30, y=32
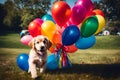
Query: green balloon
x=89, y=26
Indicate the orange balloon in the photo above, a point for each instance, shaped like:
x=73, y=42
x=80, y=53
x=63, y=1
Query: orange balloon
x=57, y=38
x=71, y=48
x=61, y=12
x=52, y=49
x=98, y=12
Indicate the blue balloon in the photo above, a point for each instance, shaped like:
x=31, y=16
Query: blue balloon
x=85, y=43
x=70, y=35
x=52, y=62
x=23, y=33
x=22, y=61
x=48, y=17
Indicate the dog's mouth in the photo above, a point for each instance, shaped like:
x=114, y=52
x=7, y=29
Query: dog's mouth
x=40, y=52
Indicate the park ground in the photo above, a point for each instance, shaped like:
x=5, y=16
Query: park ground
x=101, y=62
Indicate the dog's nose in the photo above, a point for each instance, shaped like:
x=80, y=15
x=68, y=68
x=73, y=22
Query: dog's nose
x=42, y=47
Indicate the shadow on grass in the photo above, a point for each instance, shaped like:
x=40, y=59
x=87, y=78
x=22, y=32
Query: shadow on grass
x=103, y=70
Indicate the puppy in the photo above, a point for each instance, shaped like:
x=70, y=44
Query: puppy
x=38, y=54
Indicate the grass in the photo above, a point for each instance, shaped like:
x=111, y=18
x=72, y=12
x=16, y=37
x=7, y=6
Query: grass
x=11, y=41
x=107, y=42
x=101, y=62
x=102, y=42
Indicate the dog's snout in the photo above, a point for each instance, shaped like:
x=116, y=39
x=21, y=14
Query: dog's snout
x=42, y=47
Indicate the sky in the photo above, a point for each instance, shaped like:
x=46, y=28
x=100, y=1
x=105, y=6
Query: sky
x=2, y=1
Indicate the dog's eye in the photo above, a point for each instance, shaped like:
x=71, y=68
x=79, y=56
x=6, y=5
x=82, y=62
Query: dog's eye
x=37, y=42
x=45, y=41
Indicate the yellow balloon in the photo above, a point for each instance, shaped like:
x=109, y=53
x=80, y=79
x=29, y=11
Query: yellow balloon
x=48, y=29
x=101, y=22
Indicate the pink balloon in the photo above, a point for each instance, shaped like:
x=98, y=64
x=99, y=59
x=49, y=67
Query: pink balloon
x=78, y=14
x=26, y=39
x=38, y=20
x=86, y=3
x=60, y=29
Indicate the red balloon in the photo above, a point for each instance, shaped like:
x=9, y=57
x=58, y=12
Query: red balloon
x=61, y=12
x=90, y=13
x=71, y=48
x=34, y=28
x=68, y=23
x=98, y=12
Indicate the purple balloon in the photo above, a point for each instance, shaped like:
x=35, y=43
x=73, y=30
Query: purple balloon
x=78, y=14
x=86, y=3
x=38, y=20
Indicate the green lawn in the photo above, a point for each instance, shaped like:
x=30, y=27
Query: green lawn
x=102, y=42
x=101, y=62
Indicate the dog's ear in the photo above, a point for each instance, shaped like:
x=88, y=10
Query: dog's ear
x=49, y=44
x=31, y=43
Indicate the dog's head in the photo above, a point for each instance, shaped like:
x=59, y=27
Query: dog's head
x=40, y=44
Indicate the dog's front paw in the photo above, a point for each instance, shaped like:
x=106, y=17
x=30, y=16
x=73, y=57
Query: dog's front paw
x=41, y=70
x=37, y=78
x=34, y=76
x=29, y=71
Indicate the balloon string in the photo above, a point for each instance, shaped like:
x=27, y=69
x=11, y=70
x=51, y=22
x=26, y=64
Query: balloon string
x=63, y=59
x=68, y=58
x=69, y=62
x=59, y=54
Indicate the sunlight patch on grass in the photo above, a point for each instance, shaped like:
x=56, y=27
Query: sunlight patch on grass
x=95, y=56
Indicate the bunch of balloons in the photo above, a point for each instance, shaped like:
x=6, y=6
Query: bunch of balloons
x=69, y=29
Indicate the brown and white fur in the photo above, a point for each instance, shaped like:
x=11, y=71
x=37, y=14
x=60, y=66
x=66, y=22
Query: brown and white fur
x=38, y=54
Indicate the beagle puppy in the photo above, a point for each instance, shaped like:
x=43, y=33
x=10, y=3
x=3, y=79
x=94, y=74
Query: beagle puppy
x=38, y=54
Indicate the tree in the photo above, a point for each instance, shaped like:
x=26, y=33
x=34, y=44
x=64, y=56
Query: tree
x=15, y=14
x=12, y=17
x=31, y=9
x=2, y=15
x=26, y=18
x=111, y=9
